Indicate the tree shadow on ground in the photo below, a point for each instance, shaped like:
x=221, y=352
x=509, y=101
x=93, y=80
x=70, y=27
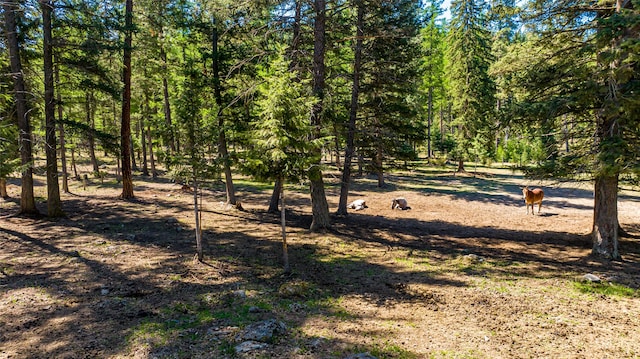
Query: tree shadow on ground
x=170, y=305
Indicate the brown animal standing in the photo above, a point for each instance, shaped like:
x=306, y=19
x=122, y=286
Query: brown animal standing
x=531, y=197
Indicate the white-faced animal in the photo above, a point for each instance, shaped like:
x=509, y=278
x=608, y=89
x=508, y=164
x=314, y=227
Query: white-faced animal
x=400, y=203
x=358, y=205
x=531, y=197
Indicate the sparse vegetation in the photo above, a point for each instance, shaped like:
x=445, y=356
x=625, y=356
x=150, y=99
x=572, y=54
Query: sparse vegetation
x=412, y=284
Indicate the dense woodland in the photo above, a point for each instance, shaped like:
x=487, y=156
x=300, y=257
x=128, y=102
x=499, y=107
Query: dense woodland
x=207, y=90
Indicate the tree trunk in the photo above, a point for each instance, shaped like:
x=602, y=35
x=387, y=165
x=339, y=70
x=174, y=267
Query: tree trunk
x=154, y=172
x=27, y=198
x=73, y=164
x=199, y=251
x=54, y=204
x=63, y=150
x=353, y=114
x=605, y=233
x=90, y=110
x=605, y=218
x=222, y=140
x=336, y=141
x=125, y=131
x=273, y=203
x=378, y=165
x=167, y=105
x=319, y=205
x=283, y=222
x=3, y=188
x=429, y=121
x=134, y=165
x=143, y=139
x=460, y=166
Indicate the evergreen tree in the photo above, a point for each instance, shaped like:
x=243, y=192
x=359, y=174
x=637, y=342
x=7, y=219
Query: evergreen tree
x=472, y=90
x=432, y=67
x=390, y=83
x=125, y=130
x=582, y=68
x=27, y=198
x=282, y=150
x=353, y=112
x=319, y=205
x=54, y=204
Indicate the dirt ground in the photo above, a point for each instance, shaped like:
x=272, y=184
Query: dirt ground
x=465, y=273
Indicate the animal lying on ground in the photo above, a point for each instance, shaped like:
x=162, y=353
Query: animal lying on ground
x=400, y=203
x=531, y=197
x=358, y=204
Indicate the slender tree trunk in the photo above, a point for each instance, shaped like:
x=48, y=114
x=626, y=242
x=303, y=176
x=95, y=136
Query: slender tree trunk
x=63, y=150
x=295, y=43
x=143, y=138
x=167, y=104
x=353, y=113
x=73, y=163
x=273, y=203
x=154, y=172
x=89, y=109
x=429, y=122
x=134, y=165
x=319, y=205
x=283, y=221
x=54, y=204
x=125, y=131
x=27, y=198
x=379, y=167
x=199, y=251
x=336, y=141
x=222, y=140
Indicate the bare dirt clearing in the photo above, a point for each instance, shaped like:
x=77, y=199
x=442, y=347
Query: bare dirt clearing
x=464, y=274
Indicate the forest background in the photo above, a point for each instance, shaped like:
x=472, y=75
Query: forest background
x=205, y=89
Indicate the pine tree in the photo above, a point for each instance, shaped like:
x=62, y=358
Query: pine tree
x=580, y=75
x=282, y=150
x=125, y=131
x=390, y=125
x=54, y=204
x=472, y=90
x=27, y=198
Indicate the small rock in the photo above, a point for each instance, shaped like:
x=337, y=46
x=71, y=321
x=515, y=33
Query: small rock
x=256, y=310
x=240, y=293
x=263, y=331
x=250, y=345
x=295, y=289
x=591, y=278
x=474, y=258
x=315, y=343
x=296, y=307
x=104, y=291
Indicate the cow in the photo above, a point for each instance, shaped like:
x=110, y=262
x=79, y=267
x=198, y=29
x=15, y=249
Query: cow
x=358, y=205
x=531, y=197
x=400, y=203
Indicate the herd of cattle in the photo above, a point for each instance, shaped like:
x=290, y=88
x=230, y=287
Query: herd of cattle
x=531, y=197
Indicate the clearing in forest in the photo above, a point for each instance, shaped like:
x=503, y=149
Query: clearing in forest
x=465, y=273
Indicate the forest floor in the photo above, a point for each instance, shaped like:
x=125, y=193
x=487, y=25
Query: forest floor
x=465, y=273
